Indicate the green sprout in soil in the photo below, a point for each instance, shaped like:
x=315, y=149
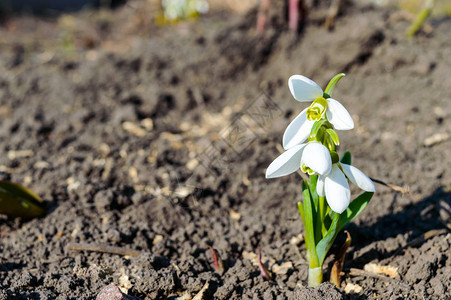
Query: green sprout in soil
x=418, y=11
x=311, y=145
x=420, y=18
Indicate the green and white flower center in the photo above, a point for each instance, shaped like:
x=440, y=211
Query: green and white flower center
x=306, y=169
x=317, y=109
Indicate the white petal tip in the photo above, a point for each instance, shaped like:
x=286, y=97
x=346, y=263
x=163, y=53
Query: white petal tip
x=286, y=163
x=371, y=188
x=358, y=178
x=269, y=175
x=339, y=209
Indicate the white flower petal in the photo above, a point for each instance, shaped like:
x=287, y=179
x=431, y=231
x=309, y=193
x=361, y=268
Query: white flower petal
x=317, y=157
x=337, y=190
x=358, y=178
x=304, y=89
x=338, y=115
x=288, y=162
x=298, y=130
x=320, y=186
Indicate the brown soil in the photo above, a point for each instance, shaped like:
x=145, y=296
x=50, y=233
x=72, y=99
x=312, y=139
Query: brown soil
x=152, y=139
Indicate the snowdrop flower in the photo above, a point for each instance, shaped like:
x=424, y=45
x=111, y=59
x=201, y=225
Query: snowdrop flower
x=306, y=90
x=311, y=157
x=336, y=188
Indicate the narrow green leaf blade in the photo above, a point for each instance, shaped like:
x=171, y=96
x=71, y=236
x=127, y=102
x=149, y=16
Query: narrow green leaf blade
x=309, y=223
x=346, y=158
x=316, y=216
x=19, y=201
x=301, y=211
x=313, y=193
x=355, y=208
x=324, y=245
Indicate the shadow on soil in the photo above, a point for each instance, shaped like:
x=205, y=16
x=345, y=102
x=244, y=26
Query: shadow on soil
x=415, y=219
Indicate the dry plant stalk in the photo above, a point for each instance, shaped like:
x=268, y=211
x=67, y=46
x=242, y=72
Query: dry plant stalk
x=338, y=264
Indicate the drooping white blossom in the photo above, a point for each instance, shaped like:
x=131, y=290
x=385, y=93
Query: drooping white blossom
x=304, y=89
x=334, y=186
x=312, y=157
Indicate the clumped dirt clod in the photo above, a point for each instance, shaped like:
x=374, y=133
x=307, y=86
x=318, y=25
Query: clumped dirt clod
x=149, y=139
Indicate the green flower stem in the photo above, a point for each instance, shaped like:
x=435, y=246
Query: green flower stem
x=322, y=213
x=313, y=181
x=332, y=83
x=315, y=276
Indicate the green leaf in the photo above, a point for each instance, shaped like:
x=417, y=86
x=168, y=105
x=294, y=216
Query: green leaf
x=328, y=218
x=324, y=245
x=346, y=158
x=331, y=85
x=301, y=212
x=308, y=224
x=313, y=193
x=19, y=201
x=316, y=215
x=355, y=208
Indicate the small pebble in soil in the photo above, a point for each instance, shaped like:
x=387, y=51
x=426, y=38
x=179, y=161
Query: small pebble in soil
x=112, y=292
